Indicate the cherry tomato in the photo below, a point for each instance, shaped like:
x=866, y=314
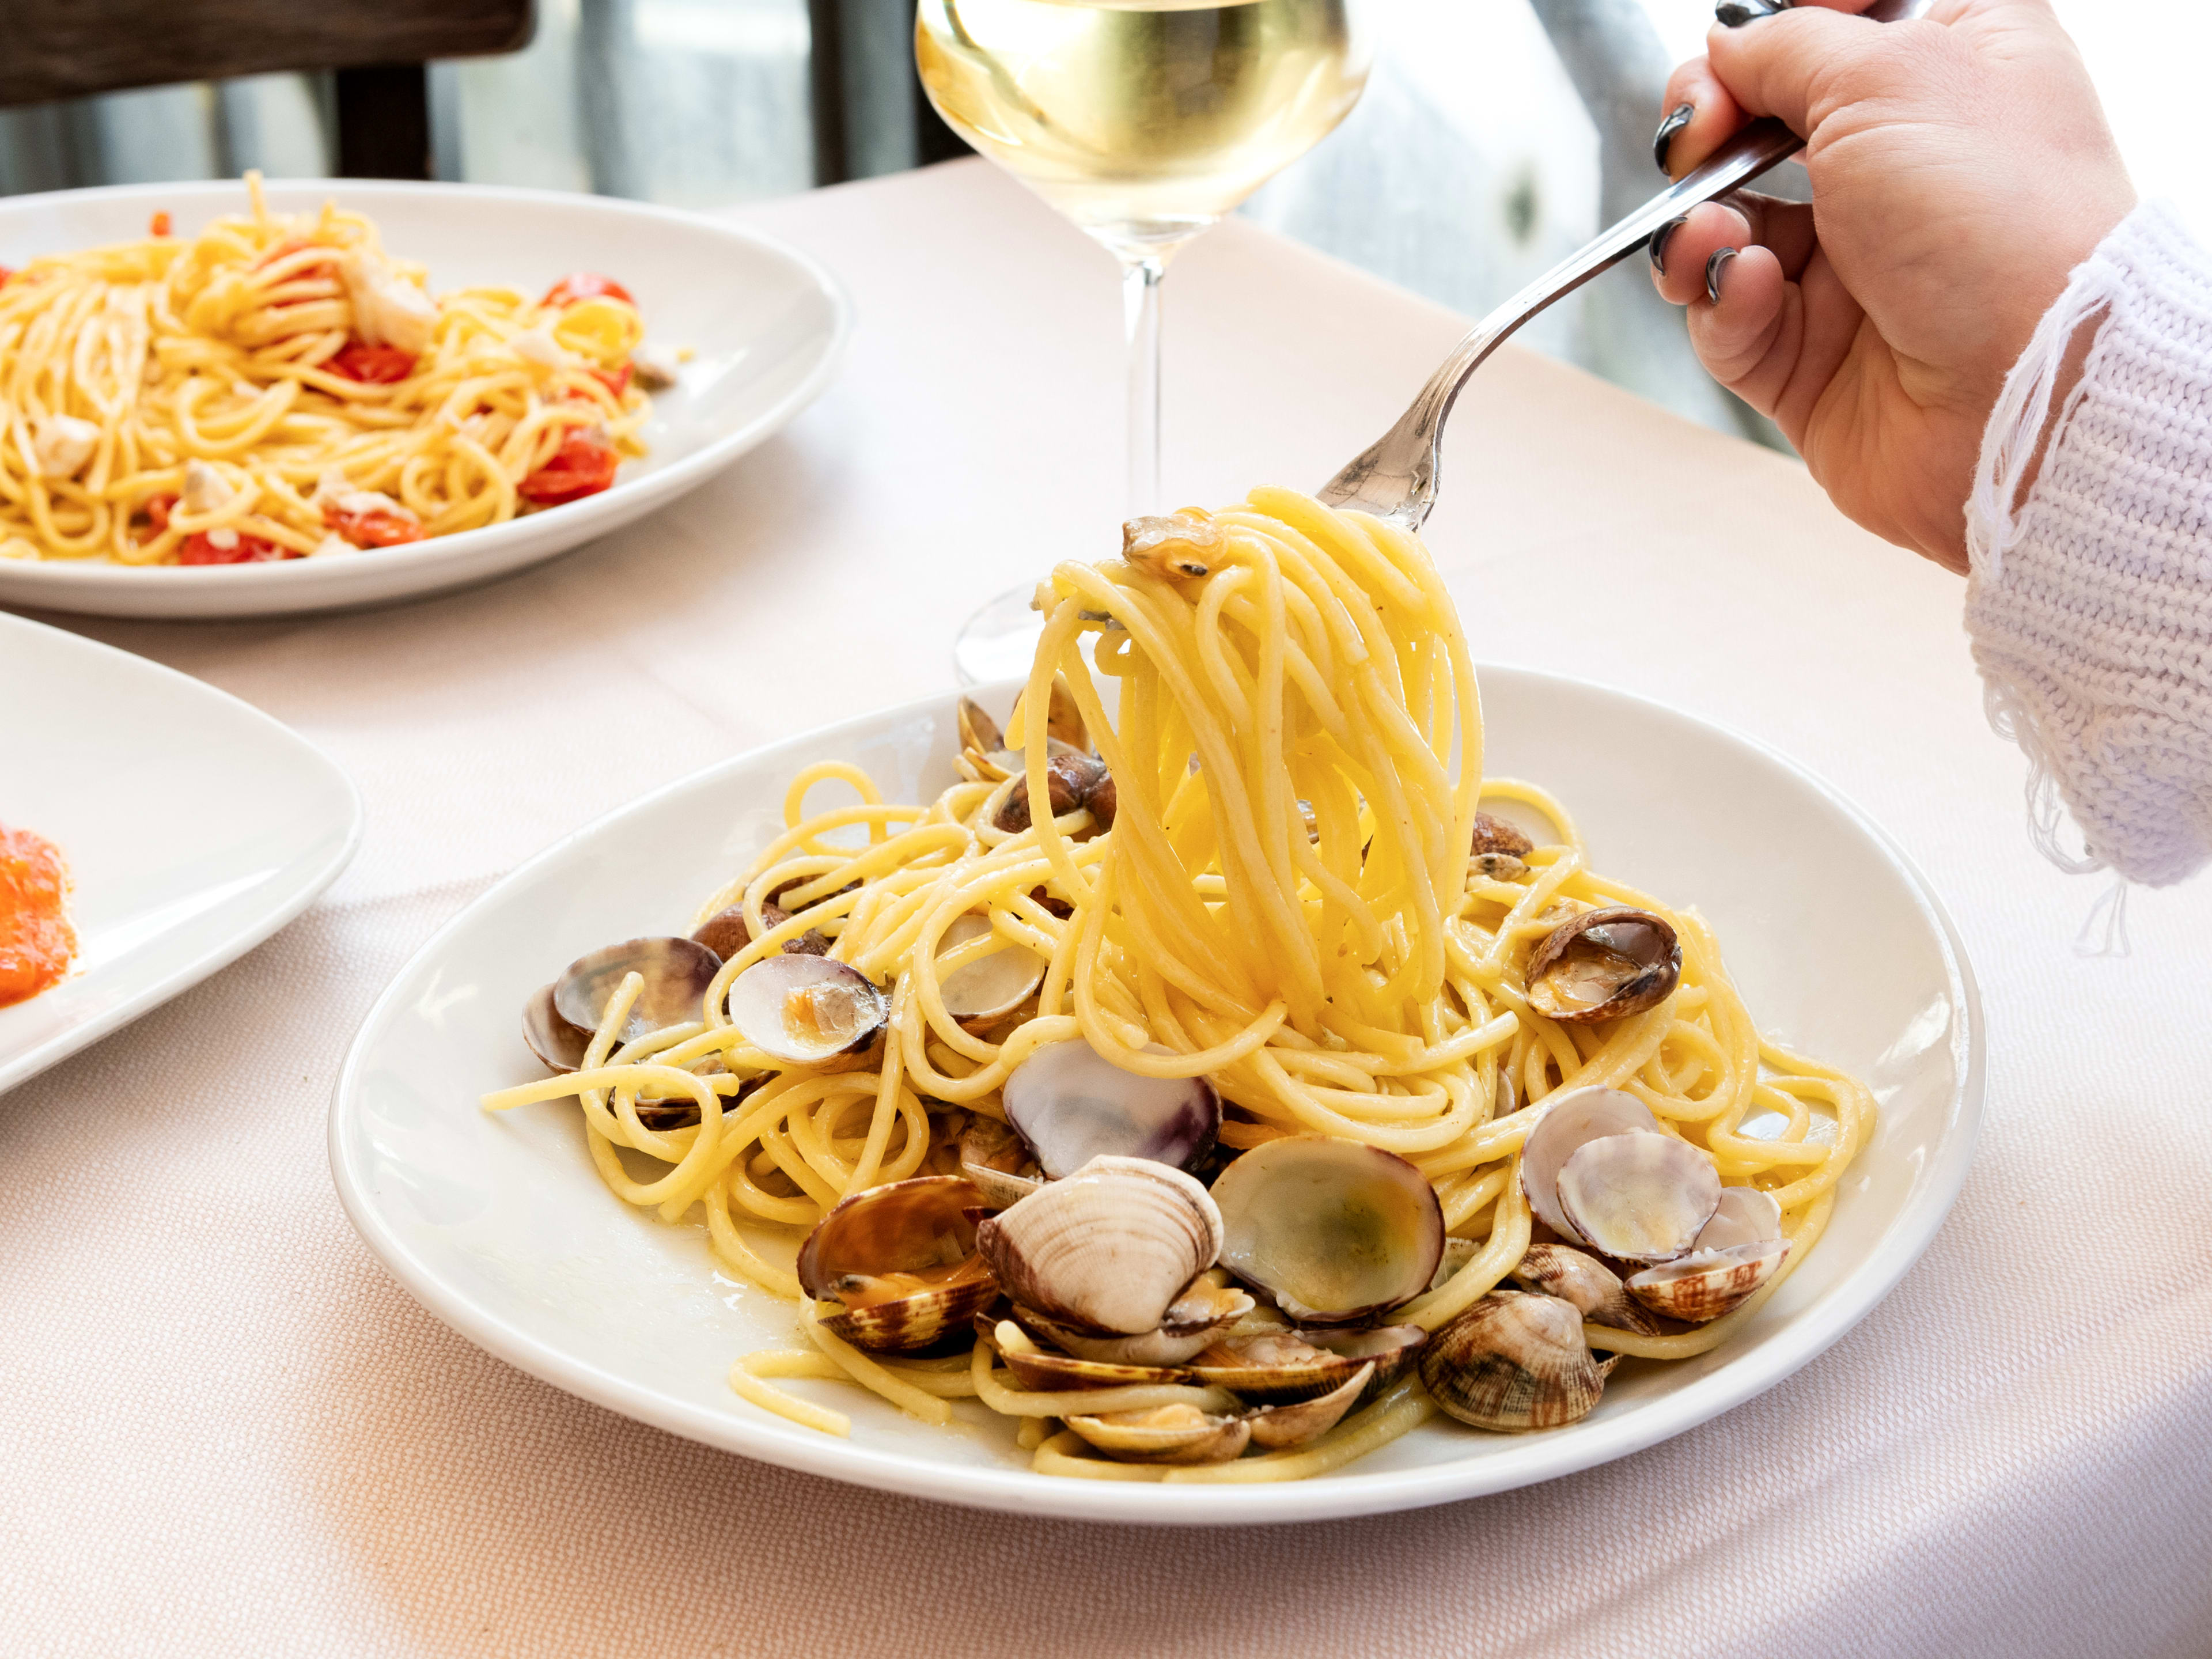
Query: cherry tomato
x=373, y=365
x=4, y=275
x=248, y=550
x=157, y=510
x=615, y=381
x=583, y=465
x=585, y=285
x=377, y=527
x=160, y=225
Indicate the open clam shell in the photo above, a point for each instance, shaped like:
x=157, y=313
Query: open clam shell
x=991, y=1156
x=1106, y=1250
x=1639, y=1197
x=1193, y=1321
x=1333, y=1230
x=1570, y=1120
x=1045, y=1371
x=997, y=984
x=1276, y=1427
x=677, y=973
x=1069, y=1104
x=807, y=1009
x=1603, y=964
x=558, y=1045
x=1306, y=1363
x=1071, y=780
x=1513, y=1362
x=902, y=1261
x=1593, y=1287
x=1706, y=1284
x=1746, y=1216
x=1165, y=1434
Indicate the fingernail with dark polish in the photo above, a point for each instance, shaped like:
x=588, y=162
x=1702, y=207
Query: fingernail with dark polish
x=1677, y=119
x=1659, y=240
x=1713, y=268
x=1734, y=13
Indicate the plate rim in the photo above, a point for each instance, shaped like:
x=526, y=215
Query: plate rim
x=1338, y=1497
x=23, y=1067
x=55, y=582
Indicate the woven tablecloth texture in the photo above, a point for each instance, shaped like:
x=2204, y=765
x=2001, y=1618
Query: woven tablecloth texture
x=224, y=1430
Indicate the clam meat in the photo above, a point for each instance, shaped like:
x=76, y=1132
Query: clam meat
x=902, y=1261
x=1513, y=1362
x=1109, y=1249
x=1603, y=964
x=1334, y=1230
x=1069, y=1104
x=1176, y=546
x=807, y=1010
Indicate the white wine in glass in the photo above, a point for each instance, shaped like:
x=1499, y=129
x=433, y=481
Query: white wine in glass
x=1143, y=121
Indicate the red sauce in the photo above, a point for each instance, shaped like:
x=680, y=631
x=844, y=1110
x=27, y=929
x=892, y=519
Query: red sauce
x=36, y=942
x=585, y=285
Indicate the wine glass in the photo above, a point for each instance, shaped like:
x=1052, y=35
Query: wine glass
x=1143, y=121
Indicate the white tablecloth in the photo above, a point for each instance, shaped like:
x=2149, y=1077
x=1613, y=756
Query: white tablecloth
x=224, y=1430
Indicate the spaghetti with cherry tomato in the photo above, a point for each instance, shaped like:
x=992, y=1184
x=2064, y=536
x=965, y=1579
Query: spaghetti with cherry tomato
x=279, y=387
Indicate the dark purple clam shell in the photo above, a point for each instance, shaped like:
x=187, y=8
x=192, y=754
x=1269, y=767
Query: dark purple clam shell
x=1070, y=1104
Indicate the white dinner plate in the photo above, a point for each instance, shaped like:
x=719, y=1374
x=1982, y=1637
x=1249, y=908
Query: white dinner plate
x=500, y=1226
x=194, y=827
x=766, y=324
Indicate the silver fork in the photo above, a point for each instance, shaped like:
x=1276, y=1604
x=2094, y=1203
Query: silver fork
x=1396, y=477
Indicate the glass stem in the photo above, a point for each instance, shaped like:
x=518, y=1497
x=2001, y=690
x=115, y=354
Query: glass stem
x=1140, y=317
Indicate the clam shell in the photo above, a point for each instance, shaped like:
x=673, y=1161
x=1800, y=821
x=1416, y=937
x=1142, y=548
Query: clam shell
x=1593, y=1287
x=1069, y=1104
x=1603, y=964
x=992, y=1157
x=726, y=933
x=1494, y=835
x=916, y=1226
x=1277, y=1426
x=1706, y=1284
x=1746, y=1216
x=1334, y=1230
x=677, y=973
x=1307, y=1364
x=1166, y=1434
x=1109, y=1249
x=558, y=1045
x=997, y=984
x=1639, y=1197
x=1571, y=1121
x=1193, y=1321
x=1174, y=547
x=1045, y=1372
x=807, y=1009
x=1514, y=1362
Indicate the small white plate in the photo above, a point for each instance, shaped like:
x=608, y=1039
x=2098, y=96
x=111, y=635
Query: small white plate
x=767, y=324
x=194, y=827
x=500, y=1227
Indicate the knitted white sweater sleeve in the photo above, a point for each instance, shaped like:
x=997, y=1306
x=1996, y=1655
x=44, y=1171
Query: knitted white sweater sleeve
x=2090, y=609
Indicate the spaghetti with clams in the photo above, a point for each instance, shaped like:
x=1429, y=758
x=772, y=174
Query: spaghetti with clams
x=1266, y=1094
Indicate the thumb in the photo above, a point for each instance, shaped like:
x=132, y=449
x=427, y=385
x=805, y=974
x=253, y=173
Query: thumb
x=1801, y=63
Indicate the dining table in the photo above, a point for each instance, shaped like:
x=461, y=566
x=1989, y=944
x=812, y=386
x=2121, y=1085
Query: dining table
x=225, y=1430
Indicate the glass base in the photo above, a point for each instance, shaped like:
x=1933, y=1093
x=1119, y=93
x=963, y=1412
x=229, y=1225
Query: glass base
x=999, y=642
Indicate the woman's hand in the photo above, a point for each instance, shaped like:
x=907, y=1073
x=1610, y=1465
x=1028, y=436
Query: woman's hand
x=1961, y=167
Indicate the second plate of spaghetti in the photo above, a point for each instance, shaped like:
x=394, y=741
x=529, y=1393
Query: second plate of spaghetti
x=240, y=398
x=1355, y=1092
